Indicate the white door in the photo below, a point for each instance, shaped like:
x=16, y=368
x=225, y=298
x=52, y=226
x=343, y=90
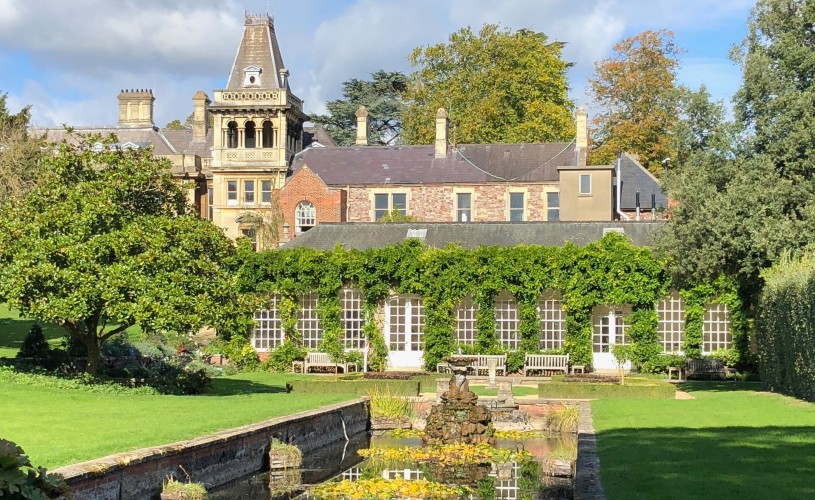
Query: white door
x=404, y=324
x=609, y=329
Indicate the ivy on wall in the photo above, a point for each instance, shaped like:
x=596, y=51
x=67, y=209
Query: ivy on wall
x=610, y=271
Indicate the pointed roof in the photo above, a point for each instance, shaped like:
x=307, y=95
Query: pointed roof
x=258, y=49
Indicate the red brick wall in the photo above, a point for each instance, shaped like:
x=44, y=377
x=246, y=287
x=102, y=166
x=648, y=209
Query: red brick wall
x=435, y=203
x=305, y=185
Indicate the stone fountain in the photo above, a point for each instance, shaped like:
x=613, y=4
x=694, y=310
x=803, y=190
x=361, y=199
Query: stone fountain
x=458, y=418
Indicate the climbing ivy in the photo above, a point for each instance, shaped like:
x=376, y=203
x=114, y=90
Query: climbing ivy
x=610, y=272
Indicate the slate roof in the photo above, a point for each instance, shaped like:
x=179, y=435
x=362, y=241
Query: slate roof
x=316, y=133
x=164, y=141
x=258, y=47
x=326, y=236
x=468, y=163
x=637, y=178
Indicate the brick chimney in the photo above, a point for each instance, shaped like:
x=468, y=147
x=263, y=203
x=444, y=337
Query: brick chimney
x=581, y=139
x=362, y=126
x=442, y=129
x=200, y=116
x=136, y=108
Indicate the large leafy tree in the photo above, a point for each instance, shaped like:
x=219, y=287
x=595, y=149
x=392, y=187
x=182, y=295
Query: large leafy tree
x=636, y=90
x=382, y=95
x=106, y=241
x=497, y=86
x=740, y=208
x=19, y=153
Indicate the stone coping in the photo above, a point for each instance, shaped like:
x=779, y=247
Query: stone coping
x=587, y=485
x=118, y=461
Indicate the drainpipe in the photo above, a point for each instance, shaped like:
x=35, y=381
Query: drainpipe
x=637, y=204
x=619, y=187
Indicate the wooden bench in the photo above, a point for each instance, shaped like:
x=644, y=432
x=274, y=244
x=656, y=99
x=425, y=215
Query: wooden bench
x=323, y=360
x=482, y=363
x=546, y=362
x=708, y=367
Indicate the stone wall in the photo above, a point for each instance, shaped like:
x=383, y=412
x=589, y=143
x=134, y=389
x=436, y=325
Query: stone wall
x=215, y=459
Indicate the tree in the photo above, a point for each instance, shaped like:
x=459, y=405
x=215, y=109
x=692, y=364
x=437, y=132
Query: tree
x=701, y=126
x=106, y=241
x=19, y=153
x=497, y=86
x=382, y=96
x=177, y=125
x=636, y=88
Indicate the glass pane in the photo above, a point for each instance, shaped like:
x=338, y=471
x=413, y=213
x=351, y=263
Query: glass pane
x=463, y=200
x=585, y=183
x=266, y=191
x=381, y=202
x=516, y=200
x=249, y=191
x=553, y=200
x=400, y=202
x=231, y=190
x=553, y=215
x=516, y=215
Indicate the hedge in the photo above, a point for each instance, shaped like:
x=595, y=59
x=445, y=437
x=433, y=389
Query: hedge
x=574, y=390
x=785, y=328
x=356, y=387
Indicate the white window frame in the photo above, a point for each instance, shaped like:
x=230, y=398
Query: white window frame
x=406, y=311
x=552, y=321
x=264, y=183
x=460, y=211
x=305, y=215
x=671, y=323
x=389, y=195
x=351, y=320
x=602, y=318
x=232, y=194
x=268, y=333
x=466, y=314
x=716, y=328
x=308, y=322
x=510, y=210
x=580, y=190
x=247, y=192
x=507, y=321
x=550, y=208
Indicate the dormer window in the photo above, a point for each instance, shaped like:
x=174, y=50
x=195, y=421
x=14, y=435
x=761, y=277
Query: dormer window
x=251, y=76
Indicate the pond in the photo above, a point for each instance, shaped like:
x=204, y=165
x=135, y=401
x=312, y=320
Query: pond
x=522, y=468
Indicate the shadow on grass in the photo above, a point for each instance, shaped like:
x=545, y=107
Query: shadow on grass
x=722, y=463
x=13, y=330
x=720, y=386
x=234, y=387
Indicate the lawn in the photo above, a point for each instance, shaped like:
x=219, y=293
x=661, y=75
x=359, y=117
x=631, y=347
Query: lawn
x=59, y=427
x=733, y=441
x=517, y=390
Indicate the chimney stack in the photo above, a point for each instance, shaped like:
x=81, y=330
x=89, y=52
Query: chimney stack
x=362, y=126
x=200, y=116
x=442, y=129
x=582, y=135
x=136, y=108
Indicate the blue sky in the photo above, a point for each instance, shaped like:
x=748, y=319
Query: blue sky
x=70, y=59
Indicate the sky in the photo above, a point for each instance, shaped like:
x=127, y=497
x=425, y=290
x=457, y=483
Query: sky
x=70, y=59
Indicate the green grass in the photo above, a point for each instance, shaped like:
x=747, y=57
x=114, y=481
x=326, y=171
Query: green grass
x=732, y=442
x=517, y=390
x=13, y=330
x=60, y=427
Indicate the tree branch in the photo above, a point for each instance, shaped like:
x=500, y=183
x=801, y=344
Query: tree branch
x=118, y=329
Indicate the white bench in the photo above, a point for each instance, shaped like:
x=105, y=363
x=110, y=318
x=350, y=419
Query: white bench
x=323, y=360
x=546, y=362
x=482, y=363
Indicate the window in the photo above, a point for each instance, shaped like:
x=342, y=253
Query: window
x=248, y=192
x=268, y=332
x=211, y=203
x=249, y=135
x=268, y=134
x=552, y=207
x=406, y=319
x=251, y=233
x=464, y=207
x=232, y=135
x=231, y=192
x=266, y=192
x=516, y=207
x=305, y=217
x=671, y=323
x=308, y=324
x=610, y=328
x=389, y=202
x=552, y=322
x=585, y=183
x=465, y=324
x=716, y=328
x=351, y=319
x=506, y=320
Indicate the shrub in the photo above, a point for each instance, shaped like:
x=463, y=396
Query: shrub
x=730, y=357
x=241, y=354
x=34, y=344
x=281, y=359
x=386, y=404
x=184, y=491
x=563, y=418
x=20, y=479
x=556, y=390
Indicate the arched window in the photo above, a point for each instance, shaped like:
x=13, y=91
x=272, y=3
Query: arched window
x=249, y=135
x=305, y=217
x=232, y=135
x=268, y=134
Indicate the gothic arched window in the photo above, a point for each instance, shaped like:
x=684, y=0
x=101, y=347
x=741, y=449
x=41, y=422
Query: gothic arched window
x=232, y=135
x=268, y=134
x=249, y=135
x=305, y=217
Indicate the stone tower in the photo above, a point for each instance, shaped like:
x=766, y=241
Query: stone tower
x=258, y=127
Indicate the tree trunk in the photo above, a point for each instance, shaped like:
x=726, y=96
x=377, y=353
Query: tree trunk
x=92, y=343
